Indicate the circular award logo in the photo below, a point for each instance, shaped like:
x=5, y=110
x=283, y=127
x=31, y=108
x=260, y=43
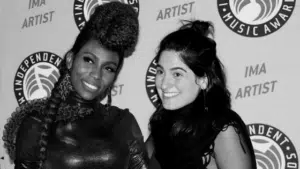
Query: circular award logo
x=36, y=76
x=150, y=83
x=84, y=8
x=273, y=149
x=255, y=18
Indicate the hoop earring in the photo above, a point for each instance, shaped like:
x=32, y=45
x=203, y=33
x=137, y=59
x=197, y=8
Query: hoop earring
x=108, y=104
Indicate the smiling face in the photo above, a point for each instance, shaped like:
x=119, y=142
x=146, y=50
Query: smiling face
x=176, y=83
x=93, y=69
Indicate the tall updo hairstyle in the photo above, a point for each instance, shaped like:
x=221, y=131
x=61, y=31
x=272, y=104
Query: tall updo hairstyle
x=191, y=131
x=114, y=26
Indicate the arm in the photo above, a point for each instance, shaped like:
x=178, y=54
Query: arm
x=153, y=163
x=231, y=151
x=27, y=144
x=137, y=150
x=149, y=146
x=138, y=158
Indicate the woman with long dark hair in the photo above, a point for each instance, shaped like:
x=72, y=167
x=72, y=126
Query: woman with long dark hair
x=195, y=127
x=72, y=129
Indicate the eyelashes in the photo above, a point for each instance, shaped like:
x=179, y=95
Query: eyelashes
x=109, y=68
x=175, y=74
x=88, y=59
x=159, y=71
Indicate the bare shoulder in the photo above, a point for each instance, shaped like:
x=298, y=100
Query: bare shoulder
x=231, y=151
x=229, y=132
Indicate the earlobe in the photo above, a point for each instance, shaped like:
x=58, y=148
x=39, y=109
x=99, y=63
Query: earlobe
x=69, y=60
x=202, y=82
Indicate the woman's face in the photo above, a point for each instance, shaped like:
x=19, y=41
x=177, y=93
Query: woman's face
x=93, y=69
x=175, y=81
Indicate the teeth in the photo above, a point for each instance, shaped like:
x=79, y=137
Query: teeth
x=90, y=86
x=170, y=94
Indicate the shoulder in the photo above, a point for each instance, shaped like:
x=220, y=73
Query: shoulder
x=25, y=117
x=227, y=134
x=127, y=123
x=228, y=118
x=122, y=114
x=118, y=109
x=232, y=130
x=233, y=148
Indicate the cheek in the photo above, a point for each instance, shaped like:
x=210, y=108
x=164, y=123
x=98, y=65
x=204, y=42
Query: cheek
x=192, y=89
x=77, y=72
x=79, y=68
x=158, y=82
x=108, y=78
x=74, y=76
x=181, y=84
x=188, y=88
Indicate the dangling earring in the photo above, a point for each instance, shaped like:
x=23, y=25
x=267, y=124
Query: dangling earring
x=108, y=104
x=204, y=101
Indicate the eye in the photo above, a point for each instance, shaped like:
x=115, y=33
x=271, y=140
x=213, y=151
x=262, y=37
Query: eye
x=177, y=74
x=111, y=69
x=159, y=71
x=88, y=59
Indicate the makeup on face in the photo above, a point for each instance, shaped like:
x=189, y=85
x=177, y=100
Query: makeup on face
x=175, y=81
x=93, y=70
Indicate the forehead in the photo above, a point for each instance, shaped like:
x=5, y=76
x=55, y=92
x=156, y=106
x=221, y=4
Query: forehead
x=94, y=48
x=170, y=58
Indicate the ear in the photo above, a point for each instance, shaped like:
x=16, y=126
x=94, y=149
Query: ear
x=69, y=59
x=202, y=82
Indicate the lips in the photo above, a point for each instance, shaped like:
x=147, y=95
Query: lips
x=90, y=86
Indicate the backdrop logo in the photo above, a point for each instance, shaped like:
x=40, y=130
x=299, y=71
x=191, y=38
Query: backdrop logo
x=36, y=76
x=255, y=18
x=150, y=83
x=175, y=11
x=84, y=8
x=273, y=149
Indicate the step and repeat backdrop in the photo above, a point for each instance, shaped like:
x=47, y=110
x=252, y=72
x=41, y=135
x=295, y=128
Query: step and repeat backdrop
x=257, y=40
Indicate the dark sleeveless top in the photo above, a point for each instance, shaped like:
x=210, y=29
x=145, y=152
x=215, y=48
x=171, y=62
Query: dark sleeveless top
x=182, y=140
x=102, y=139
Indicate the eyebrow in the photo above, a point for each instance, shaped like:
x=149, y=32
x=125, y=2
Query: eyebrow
x=90, y=53
x=108, y=62
x=173, y=68
x=111, y=62
x=158, y=65
x=180, y=68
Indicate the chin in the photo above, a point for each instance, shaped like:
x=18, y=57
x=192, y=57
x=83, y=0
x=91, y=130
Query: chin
x=171, y=107
x=87, y=96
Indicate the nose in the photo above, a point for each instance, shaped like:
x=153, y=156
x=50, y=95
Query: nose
x=96, y=73
x=166, y=82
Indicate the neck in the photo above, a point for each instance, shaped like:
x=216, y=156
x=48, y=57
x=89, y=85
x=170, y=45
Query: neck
x=75, y=107
x=183, y=111
x=75, y=99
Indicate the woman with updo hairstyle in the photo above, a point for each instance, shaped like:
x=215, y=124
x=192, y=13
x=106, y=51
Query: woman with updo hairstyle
x=72, y=129
x=194, y=127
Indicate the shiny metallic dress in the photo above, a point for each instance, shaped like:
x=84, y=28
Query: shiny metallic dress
x=85, y=135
